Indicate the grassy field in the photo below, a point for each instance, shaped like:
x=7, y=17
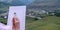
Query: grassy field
x=47, y=23
x=3, y=20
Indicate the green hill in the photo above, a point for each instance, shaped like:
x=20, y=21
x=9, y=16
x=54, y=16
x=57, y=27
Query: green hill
x=48, y=23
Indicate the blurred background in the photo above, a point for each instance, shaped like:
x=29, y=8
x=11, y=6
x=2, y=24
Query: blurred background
x=40, y=14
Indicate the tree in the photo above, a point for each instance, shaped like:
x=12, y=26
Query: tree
x=57, y=14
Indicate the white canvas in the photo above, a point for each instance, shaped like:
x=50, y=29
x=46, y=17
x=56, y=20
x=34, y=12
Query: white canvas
x=21, y=13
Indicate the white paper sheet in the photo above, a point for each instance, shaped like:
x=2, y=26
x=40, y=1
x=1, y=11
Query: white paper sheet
x=21, y=13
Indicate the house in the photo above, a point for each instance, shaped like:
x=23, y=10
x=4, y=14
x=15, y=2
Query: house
x=34, y=13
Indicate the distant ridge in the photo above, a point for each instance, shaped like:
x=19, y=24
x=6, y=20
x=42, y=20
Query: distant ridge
x=45, y=5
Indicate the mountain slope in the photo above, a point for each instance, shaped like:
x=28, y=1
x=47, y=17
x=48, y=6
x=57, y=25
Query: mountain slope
x=17, y=2
x=45, y=4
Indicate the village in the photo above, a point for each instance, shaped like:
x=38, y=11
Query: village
x=34, y=13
